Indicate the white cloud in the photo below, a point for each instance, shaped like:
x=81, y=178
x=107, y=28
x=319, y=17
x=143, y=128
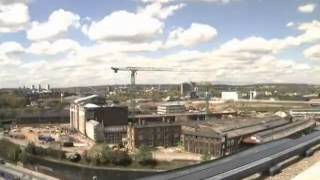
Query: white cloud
x=59, y=46
x=196, y=34
x=6, y=2
x=169, y=1
x=160, y=11
x=124, y=26
x=313, y=52
x=11, y=47
x=307, y=8
x=13, y=17
x=290, y=24
x=58, y=23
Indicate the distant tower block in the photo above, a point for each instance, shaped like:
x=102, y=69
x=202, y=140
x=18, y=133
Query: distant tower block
x=48, y=87
x=185, y=88
x=61, y=100
x=33, y=87
x=39, y=87
x=253, y=95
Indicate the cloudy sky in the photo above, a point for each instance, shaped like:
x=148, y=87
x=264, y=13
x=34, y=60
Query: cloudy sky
x=75, y=42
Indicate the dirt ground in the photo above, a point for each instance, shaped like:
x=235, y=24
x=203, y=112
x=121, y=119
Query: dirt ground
x=27, y=134
x=174, y=153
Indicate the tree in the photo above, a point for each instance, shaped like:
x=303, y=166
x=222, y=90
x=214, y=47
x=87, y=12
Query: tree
x=180, y=145
x=9, y=150
x=31, y=148
x=23, y=157
x=144, y=156
x=121, y=158
x=99, y=154
x=205, y=157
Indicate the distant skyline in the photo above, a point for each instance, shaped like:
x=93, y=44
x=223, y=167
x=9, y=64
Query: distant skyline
x=74, y=43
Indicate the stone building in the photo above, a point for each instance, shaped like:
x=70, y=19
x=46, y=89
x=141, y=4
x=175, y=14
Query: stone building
x=152, y=135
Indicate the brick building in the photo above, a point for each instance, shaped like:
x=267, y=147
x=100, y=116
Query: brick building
x=202, y=140
x=152, y=135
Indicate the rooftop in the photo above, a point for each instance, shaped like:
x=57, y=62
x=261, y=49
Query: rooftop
x=85, y=98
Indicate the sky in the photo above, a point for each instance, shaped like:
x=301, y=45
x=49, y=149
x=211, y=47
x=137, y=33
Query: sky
x=68, y=43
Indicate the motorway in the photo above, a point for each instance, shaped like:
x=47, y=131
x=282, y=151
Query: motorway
x=237, y=166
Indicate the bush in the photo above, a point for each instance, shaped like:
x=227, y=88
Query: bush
x=121, y=158
x=39, y=151
x=24, y=158
x=55, y=153
x=149, y=162
x=206, y=157
x=144, y=157
x=31, y=148
x=99, y=154
x=9, y=150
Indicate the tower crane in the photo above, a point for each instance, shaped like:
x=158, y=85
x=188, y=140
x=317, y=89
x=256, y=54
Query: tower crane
x=133, y=72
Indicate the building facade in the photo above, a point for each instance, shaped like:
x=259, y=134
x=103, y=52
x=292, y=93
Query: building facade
x=171, y=109
x=113, y=120
x=152, y=135
x=230, y=96
x=202, y=140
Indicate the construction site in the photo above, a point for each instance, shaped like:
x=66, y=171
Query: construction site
x=214, y=127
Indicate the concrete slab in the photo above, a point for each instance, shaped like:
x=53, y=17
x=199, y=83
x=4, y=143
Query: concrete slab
x=311, y=173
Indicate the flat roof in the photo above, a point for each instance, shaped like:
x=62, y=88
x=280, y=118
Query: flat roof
x=182, y=114
x=155, y=125
x=203, y=132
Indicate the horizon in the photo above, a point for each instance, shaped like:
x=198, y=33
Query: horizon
x=177, y=84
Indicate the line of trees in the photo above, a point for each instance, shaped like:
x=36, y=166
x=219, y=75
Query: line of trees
x=12, y=101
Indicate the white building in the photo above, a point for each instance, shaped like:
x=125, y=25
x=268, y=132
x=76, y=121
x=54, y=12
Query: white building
x=253, y=95
x=230, y=96
x=94, y=130
x=305, y=113
x=171, y=109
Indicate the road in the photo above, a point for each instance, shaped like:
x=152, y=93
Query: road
x=11, y=171
x=23, y=173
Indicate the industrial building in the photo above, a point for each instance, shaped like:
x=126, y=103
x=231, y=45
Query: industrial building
x=211, y=137
x=44, y=117
x=229, y=96
x=202, y=140
x=152, y=135
x=173, y=108
x=90, y=115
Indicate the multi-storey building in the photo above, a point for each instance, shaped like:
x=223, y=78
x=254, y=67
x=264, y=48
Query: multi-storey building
x=202, y=140
x=171, y=109
x=113, y=119
x=152, y=135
